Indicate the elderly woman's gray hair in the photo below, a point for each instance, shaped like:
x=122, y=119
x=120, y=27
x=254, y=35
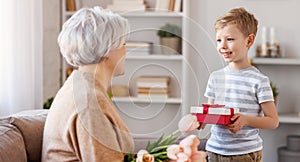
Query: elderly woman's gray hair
x=89, y=35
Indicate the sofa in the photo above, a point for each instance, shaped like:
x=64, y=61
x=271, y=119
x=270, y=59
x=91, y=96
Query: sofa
x=21, y=136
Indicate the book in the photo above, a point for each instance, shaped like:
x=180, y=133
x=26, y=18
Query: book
x=177, y=5
x=137, y=52
x=153, y=90
x=153, y=96
x=171, y=5
x=153, y=82
x=154, y=78
x=139, y=48
x=139, y=44
x=71, y=5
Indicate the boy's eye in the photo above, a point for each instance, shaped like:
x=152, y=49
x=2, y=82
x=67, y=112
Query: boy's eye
x=218, y=40
x=230, y=39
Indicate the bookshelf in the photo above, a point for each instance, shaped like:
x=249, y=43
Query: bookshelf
x=156, y=57
x=276, y=61
x=289, y=118
x=145, y=100
x=140, y=114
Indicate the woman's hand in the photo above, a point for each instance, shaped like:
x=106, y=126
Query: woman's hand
x=239, y=121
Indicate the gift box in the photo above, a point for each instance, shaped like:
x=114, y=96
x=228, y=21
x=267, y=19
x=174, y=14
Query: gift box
x=214, y=114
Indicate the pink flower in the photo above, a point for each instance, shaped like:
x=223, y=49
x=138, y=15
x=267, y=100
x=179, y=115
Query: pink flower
x=172, y=151
x=182, y=157
x=186, y=151
x=188, y=123
x=191, y=143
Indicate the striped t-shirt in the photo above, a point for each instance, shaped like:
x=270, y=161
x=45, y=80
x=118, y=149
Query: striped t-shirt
x=244, y=89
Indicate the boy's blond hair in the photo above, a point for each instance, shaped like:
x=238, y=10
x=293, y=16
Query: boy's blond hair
x=244, y=20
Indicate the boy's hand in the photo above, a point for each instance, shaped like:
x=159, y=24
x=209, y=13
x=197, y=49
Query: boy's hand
x=239, y=121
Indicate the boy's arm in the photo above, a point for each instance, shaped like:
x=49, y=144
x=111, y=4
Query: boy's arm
x=268, y=121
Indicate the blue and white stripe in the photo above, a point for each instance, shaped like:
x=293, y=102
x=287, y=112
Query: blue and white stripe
x=244, y=89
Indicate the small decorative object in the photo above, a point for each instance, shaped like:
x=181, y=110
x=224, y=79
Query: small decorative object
x=169, y=149
x=291, y=152
x=268, y=47
x=170, y=35
x=275, y=91
x=213, y=114
x=71, y=5
x=48, y=103
x=69, y=71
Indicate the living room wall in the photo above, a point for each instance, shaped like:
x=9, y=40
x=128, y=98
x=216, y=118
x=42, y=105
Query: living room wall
x=51, y=57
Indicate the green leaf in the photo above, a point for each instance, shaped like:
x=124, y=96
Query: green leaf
x=158, y=148
x=151, y=146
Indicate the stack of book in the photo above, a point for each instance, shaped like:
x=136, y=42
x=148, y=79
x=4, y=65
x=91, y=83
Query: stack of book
x=153, y=86
x=127, y=5
x=139, y=48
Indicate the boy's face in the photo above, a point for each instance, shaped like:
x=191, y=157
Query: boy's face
x=232, y=44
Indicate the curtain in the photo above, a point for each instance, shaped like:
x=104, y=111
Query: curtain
x=20, y=55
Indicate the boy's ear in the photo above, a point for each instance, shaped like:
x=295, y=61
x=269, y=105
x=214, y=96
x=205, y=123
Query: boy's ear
x=251, y=38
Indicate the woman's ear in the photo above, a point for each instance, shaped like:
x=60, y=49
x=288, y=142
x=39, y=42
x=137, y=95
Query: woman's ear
x=250, y=42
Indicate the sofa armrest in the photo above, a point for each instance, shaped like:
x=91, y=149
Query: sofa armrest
x=12, y=147
x=31, y=125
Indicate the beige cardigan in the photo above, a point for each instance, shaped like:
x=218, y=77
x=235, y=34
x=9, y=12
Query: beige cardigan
x=84, y=125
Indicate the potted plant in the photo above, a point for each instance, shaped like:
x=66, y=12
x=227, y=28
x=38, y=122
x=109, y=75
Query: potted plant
x=275, y=91
x=170, y=35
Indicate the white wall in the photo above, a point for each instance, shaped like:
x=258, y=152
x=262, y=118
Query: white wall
x=280, y=14
x=51, y=57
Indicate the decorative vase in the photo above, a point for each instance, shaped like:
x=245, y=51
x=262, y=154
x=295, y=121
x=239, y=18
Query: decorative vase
x=170, y=45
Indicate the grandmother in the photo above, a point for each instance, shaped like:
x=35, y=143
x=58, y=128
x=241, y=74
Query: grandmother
x=83, y=124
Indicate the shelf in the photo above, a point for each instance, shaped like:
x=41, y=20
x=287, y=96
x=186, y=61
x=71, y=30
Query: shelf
x=142, y=14
x=291, y=118
x=69, y=13
x=145, y=100
x=276, y=61
x=155, y=57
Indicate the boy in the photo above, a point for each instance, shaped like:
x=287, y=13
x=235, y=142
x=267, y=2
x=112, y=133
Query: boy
x=242, y=86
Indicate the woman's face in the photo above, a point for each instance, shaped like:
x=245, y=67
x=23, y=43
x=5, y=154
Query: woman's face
x=116, y=60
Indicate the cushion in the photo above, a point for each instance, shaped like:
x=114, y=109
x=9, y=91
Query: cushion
x=12, y=147
x=31, y=125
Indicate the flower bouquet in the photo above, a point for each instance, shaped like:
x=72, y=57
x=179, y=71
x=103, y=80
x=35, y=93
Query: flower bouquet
x=168, y=149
